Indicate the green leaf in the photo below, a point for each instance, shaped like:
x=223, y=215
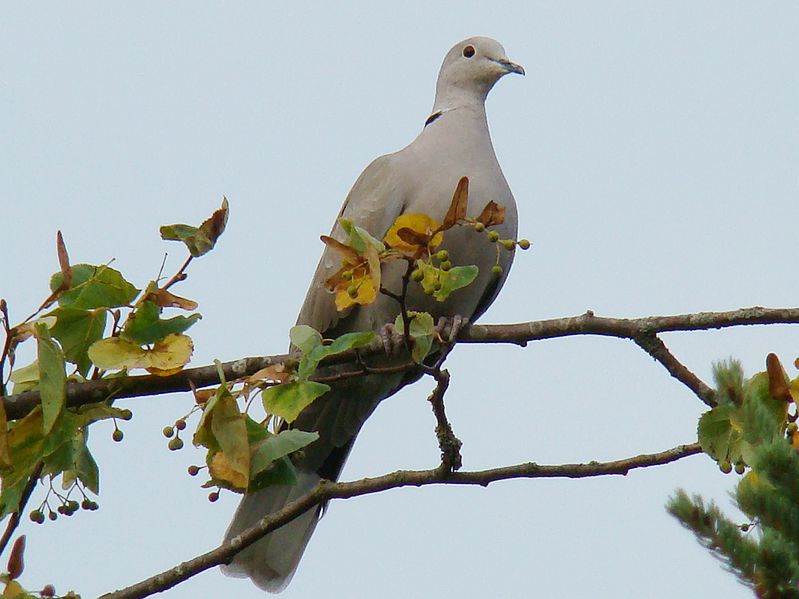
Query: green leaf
x=100, y=411
x=440, y=283
x=52, y=376
x=199, y=240
x=720, y=434
x=230, y=430
x=279, y=472
x=12, y=494
x=305, y=338
x=359, y=238
x=757, y=389
x=145, y=325
x=421, y=332
x=76, y=330
x=86, y=468
x=289, y=399
x=25, y=444
x=277, y=446
x=204, y=435
x=94, y=287
x=25, y=375
x=344, y=343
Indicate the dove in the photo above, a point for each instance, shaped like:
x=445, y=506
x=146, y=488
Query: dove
x=421, y=178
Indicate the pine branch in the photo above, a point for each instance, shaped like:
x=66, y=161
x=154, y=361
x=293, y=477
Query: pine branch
x=637, y=329
x=326, y=491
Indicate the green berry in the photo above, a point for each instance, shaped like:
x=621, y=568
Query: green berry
x=725, y=466
x=180, y=424
x=347, y=275
x=37, y=516
x=479, y=227
x=175, y=444
x=740, y=468
x=194, y=470
x=417, y=275
x=493, y=236
x=86, y=504
x=126, y=415
x=53, y=516
x=168, y=432
x=524, y=244
x=508, y=244
x=446, y=265
x=352, y=291
x=213, y=496
x=117, y=435
x=496, y=269
x=442, y=255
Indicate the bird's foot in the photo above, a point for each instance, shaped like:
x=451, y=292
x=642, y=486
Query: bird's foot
x=456, y=324
x=388, y=335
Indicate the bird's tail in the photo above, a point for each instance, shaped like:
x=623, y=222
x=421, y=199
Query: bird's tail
x=271, y=562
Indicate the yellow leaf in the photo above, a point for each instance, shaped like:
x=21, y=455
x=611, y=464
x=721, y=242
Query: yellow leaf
x=115, y=353
x=425, y=234
x=365, y=292
x=220, y=468
x=13, y=589
x=169, y=355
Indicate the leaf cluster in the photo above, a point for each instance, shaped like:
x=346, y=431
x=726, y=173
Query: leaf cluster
x=93, y=322
x=754, y=426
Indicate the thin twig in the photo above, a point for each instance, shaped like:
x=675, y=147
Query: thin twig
x=180, y=275
x=654, y=346
x=326, y=491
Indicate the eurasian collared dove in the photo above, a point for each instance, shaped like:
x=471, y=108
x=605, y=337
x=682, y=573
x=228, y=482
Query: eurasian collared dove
x=421, y=178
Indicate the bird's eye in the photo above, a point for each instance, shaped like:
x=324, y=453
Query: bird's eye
x=468, y=51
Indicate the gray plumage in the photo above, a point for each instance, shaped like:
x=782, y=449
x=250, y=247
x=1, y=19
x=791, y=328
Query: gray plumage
x=420, y=178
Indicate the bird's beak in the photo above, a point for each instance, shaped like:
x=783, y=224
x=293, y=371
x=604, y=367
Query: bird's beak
x=511, y=67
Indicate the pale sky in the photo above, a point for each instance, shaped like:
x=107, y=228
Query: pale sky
x=652, y=149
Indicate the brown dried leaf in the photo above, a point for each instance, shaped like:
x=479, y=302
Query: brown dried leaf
x=214, y=225
x=276, y=372
x=349, y=254
x=412, y=237
x=63, y=262
x=16, y=562
x=777, y=379
x=460, y=201
x=492, y=214
x=201, y=396
x=165, y=299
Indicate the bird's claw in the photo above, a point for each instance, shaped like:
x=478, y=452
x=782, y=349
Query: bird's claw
x=456, y=324
x=388, y=334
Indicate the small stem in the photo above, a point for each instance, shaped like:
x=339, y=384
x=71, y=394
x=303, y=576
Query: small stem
x=180, y=275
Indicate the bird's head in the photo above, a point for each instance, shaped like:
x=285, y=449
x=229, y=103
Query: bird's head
x=472, y=67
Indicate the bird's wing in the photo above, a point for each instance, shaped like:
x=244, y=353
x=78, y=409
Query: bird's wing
x=373, y=203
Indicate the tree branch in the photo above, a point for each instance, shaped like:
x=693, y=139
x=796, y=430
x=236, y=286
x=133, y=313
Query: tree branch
x=19, y=405
x=326, y=491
